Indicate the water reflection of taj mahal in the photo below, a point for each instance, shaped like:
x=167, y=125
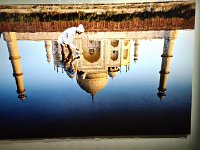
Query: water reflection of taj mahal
x=104, y=54
x=101, y=58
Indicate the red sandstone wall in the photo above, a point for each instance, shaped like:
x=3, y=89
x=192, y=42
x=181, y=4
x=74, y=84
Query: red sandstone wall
x=133, y=25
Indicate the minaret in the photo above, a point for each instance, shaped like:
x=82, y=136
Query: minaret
x=165, y=65
x=48, y=50
x=11, y=40
x=56, y=54
x=136, y=50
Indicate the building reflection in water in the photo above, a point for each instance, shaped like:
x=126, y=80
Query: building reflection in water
x=14, y=57
x=136, y=50
x=103, y=55
x=165, y=65
x=48, y=47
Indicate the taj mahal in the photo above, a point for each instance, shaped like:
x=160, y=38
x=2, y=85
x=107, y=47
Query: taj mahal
x=103, y=56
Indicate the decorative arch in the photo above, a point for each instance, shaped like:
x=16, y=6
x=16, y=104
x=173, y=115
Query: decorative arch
x=114, y=43
x=114, y=55
x=91, y=50
x=125, y=53
x=126, y=42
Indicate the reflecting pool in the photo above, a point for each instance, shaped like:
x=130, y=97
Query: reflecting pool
x=125, y=83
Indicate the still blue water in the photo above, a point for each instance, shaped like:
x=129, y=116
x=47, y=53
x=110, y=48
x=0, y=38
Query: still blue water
x=57, y=107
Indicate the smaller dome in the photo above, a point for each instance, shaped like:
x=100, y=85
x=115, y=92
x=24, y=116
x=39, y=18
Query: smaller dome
x=113, y=71
x=112, y=74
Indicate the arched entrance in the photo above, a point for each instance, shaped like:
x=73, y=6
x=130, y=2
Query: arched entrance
x=91, y=50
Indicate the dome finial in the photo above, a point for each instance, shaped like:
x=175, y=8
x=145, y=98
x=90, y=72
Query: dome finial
x=92, y=98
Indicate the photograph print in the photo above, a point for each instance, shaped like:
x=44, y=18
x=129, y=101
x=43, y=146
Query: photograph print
x=96, y=70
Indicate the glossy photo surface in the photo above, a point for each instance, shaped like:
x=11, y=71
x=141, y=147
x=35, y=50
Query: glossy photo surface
x=125, y=82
